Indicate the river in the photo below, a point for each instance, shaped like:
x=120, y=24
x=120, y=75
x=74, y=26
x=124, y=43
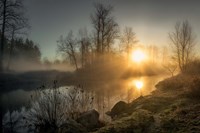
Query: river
x=126, y=90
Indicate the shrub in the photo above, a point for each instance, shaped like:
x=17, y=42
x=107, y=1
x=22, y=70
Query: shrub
x=173, y=83
x=53, y=106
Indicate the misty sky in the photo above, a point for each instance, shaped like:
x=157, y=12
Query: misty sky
x=151, y=20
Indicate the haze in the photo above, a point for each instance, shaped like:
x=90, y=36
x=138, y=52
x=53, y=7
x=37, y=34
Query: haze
x=151, y=20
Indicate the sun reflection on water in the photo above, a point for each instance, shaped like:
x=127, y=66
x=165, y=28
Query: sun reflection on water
x=139, y=84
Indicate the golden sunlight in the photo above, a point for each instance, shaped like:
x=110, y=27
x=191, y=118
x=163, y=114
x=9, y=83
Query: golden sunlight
x=138, y=56
x=138, y=84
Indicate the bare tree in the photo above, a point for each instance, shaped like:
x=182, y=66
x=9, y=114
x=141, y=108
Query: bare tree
x=128, y=40
x=68, y=47
x=16, y=29
x=153, y=52
x=105, y=28
x=79, y=101
x=11, y=13
x=165, y=55
x=182, y=42
x=47, y=63
x=170, y=67
x=85, y=46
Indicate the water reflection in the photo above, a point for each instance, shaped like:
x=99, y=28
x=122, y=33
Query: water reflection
x=113, y=92
x=143, y=85
x=139, y=84
x=15, y=99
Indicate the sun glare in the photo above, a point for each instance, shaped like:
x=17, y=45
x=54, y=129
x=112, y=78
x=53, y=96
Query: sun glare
x=138, y=56
x=138, y=84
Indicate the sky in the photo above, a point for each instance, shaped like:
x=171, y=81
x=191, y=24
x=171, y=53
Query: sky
x=151, y=20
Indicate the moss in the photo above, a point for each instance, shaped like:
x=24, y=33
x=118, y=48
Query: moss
x=169, y=125
x=138, y=122
x=171, y=109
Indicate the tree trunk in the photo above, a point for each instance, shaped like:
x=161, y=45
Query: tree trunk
x=2, y=56
x=75, y=62
x=11, y=50
x=3, y=36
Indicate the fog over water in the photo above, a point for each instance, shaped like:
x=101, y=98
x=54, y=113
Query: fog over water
x=15, y=99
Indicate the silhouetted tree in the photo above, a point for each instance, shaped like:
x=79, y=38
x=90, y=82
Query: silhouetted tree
x=85, y=47
x=68, y=46
x=105, y=28
x=11, y=16
x=23, y=51
x=182, y=43
x=165, y=55
x=16, y=29
x=128, y=40
x=170, y=67
x=26, y=50
x=46, y=62
x=153, y=52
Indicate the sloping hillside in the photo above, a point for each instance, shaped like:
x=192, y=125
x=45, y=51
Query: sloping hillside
x=173, y=108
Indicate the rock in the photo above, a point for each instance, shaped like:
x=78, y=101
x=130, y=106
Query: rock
x=117, y=109
x=71, y=126
x=90, y=120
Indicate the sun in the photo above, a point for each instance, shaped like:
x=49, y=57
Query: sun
x=138, y=56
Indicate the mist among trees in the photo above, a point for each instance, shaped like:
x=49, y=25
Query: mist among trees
x=103, y=79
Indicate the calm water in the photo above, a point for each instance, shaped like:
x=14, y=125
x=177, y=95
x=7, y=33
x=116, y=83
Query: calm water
x=136, y=86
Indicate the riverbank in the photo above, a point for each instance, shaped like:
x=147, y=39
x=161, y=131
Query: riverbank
x=173, y=107
x=31, y=80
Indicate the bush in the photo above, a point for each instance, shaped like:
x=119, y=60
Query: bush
x=53, y=106
x=173, y=83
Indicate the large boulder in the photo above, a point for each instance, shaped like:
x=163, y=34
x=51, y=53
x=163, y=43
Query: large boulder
x=90, y=120
x=117, y=109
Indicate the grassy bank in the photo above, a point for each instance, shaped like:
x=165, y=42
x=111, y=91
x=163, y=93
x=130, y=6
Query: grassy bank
x=173, y=107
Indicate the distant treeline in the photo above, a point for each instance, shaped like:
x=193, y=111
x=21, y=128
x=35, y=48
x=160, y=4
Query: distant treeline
x=22, y=50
